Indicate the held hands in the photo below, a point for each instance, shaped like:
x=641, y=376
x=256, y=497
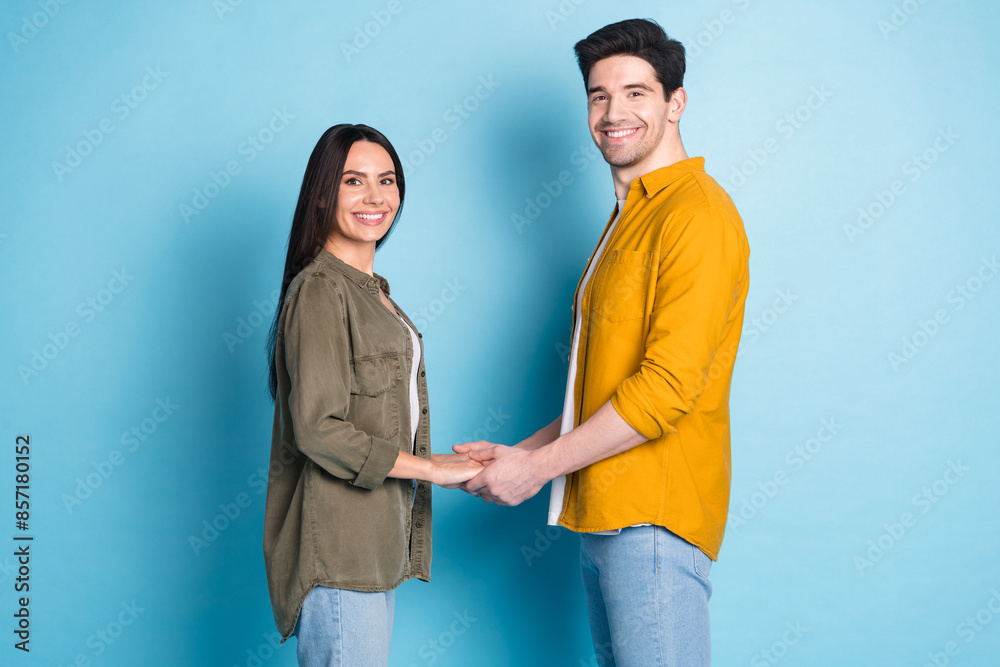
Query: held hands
x=509, y=475
x=451, y=470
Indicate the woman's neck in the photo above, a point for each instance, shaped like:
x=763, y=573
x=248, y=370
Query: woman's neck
x=359, y=255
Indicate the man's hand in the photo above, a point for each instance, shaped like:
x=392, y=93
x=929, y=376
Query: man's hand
x=466, y=447
x=510, y=475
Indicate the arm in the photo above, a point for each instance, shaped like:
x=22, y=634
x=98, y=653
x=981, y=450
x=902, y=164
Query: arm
x=542, y=437
x=318, y=361
x=517, y=474
x=441, y=470
x=702, y=268
x=539, y=438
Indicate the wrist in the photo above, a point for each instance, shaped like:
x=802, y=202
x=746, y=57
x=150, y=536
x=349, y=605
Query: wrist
x=430, y=470
x=542, y=462
x=527, y=445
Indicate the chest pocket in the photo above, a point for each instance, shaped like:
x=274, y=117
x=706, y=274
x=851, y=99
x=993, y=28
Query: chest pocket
x=621, y=284
x=374, y=408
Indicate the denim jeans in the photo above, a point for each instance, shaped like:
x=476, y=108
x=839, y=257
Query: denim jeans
x=338, y=628
x=647, y=596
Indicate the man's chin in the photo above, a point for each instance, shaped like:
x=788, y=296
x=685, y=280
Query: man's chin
x=620, y=160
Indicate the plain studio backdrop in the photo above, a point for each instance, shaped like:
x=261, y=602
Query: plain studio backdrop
x=151, y=164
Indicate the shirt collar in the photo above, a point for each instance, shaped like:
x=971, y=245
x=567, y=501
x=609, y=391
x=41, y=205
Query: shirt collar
x=360, y=277
x=660, y=178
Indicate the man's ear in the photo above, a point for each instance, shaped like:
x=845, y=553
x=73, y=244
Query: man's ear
x=676, y=105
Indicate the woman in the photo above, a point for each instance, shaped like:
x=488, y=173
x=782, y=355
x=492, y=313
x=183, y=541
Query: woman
x=346, y=519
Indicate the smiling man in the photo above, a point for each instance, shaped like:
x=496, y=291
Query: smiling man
x=640, y=458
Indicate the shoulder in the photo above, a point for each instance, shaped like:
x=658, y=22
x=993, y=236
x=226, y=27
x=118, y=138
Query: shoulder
x=699, y=205
x=316, y=291
x=316, y=280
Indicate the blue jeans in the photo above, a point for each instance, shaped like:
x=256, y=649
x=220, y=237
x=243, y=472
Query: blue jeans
x=647, y=598
x=337, y=627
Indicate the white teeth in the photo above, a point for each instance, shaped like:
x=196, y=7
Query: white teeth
x=620, y=133
x=365, y=216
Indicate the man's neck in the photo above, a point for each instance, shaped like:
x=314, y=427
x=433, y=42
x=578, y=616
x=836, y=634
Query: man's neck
x=668, y=154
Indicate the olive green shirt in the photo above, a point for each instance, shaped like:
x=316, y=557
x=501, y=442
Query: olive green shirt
x=341, y=417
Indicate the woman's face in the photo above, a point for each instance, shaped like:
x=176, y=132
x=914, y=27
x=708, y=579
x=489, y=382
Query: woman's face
x=368, y=198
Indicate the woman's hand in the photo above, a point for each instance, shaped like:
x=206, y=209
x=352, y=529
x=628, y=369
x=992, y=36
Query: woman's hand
x=446, y=458
x=452, y=470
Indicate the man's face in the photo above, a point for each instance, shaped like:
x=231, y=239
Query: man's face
x=627, y=111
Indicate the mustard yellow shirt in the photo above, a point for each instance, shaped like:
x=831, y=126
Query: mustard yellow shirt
x=660, y=325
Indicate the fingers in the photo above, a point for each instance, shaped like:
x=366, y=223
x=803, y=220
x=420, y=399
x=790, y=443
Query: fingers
x=466, y=447
x=475, y=485
x=482, y=455
x=449, y=458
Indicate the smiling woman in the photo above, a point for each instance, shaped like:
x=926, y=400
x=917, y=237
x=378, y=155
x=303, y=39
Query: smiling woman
x=348, y=514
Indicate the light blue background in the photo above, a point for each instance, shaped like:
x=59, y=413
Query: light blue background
x=496, y=346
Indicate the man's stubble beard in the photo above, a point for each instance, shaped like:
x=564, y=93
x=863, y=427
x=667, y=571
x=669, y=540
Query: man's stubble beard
x=636, y=155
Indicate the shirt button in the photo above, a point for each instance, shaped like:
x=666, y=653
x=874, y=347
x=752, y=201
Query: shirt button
x=422, y=374
x=423, y=449
x=424, y=411
x=418, y=524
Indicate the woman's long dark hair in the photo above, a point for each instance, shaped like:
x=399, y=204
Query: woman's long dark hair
x=317, y=208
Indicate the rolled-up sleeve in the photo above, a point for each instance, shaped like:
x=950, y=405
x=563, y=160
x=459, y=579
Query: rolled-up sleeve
x=317, y=355
x=703, y=263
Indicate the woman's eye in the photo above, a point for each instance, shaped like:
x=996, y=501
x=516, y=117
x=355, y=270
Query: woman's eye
x=387, y=181
x=352, y=181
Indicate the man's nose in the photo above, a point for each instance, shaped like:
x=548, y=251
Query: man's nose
x=615, y=111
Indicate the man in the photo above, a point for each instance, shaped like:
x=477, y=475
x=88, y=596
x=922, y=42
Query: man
x=640, y=458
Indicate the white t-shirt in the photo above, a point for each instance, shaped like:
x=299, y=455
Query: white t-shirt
x=569, y=404
x=414, y=399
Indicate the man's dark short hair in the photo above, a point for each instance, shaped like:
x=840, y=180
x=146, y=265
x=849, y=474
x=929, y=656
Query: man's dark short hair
x=642, y=38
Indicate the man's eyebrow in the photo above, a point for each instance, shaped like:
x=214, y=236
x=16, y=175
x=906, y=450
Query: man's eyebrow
x=600, y=89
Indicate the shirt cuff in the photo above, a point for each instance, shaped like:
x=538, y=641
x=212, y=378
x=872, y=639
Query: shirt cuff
x=644, y=423
x=381, y=458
